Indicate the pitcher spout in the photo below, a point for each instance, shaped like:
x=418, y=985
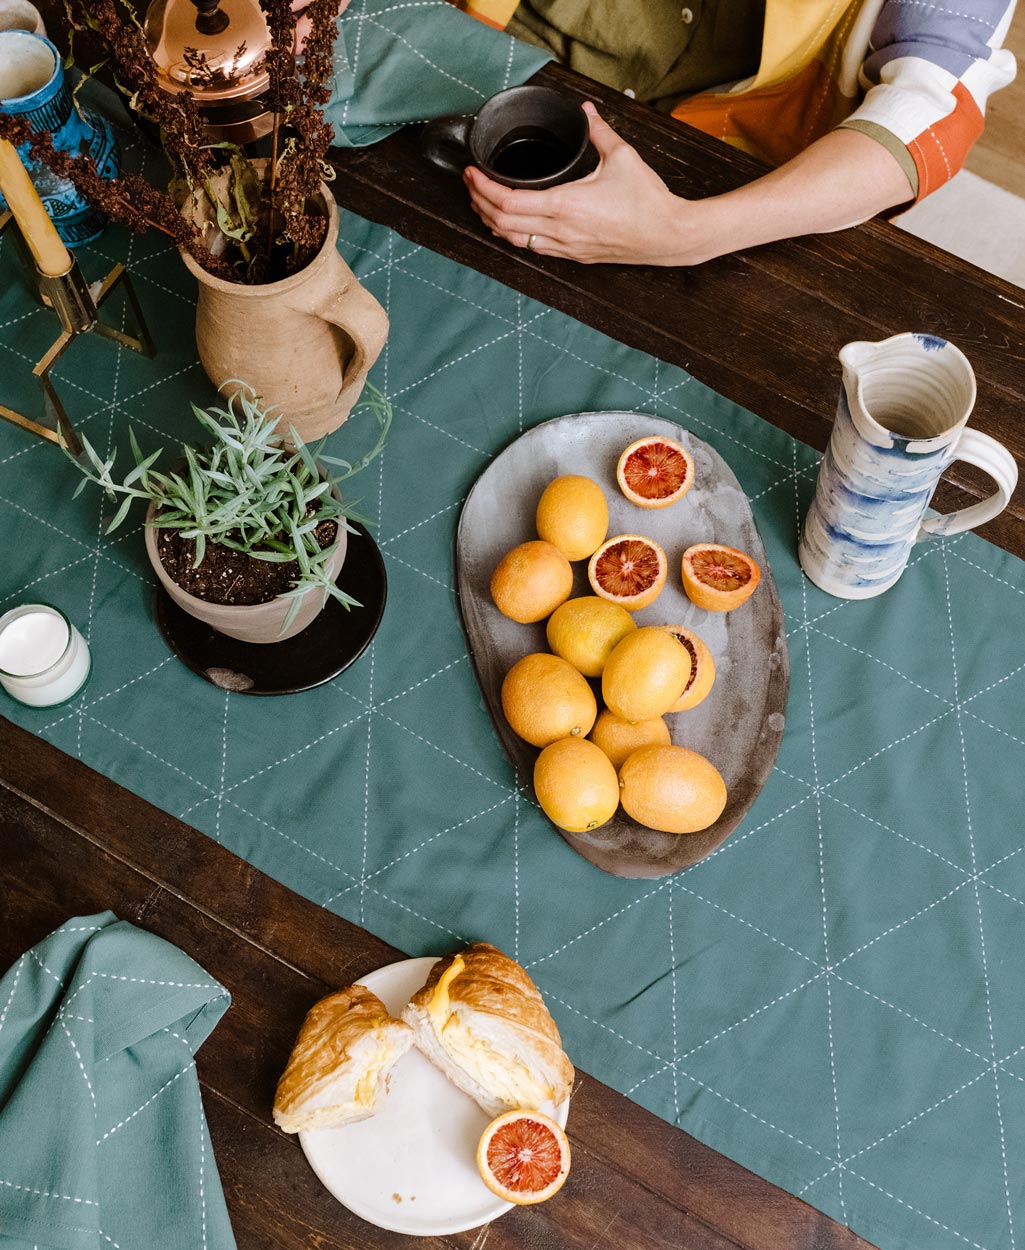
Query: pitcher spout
x=907, y=388
x=856, y=359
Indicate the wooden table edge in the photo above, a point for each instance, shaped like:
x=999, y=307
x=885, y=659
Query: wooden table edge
x=192, y=867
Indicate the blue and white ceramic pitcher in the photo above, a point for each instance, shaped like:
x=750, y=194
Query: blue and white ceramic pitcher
x=900, y=422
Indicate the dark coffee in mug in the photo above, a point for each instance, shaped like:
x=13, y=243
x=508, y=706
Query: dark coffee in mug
x=524, y=137
x=528, y=152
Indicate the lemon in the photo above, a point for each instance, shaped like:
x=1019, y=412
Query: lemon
x=620, y=738
x=545, y=699
x=645, y=674
x=573, y=515
x=531, y=581
x=584, y=631
x=671, y=789
x=576, y=785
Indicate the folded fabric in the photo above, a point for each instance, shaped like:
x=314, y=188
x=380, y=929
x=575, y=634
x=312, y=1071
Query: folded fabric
x=103, y=1139
x=397, y=62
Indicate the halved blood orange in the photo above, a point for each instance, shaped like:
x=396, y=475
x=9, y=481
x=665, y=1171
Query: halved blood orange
x=718, y=578
x=702, y=668
x=523, y=1156
x=629, y=570
x=654, y=472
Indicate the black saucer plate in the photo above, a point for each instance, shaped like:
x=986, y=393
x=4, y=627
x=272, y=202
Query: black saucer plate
x=325, y=648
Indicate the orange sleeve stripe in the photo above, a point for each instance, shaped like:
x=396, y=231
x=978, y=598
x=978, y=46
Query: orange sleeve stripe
x=939, y=151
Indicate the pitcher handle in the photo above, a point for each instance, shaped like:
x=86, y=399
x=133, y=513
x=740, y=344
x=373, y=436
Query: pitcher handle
x=354, y=310
x=992, y=458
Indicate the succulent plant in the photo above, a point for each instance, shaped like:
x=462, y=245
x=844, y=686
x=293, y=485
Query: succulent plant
x=248, y=489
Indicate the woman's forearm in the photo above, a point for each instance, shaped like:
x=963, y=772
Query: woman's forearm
x=844, y=178
x=625, y=214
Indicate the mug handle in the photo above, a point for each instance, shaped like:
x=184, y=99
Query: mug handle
x=992, y=458
x=446, y=142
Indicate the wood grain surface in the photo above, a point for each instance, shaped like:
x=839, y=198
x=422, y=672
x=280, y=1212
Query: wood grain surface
x=761, y=327
x=75, y=843
x=999, y=154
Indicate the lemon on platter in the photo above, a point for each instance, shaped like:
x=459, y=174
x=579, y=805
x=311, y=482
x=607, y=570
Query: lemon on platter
x=585, y=631
x=576, y=785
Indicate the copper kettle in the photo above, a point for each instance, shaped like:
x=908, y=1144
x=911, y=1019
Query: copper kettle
x=214, y=49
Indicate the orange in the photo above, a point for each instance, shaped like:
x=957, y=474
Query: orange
x=645, y=674
x=576, y=785
x=620, y=738
x=572, y=515
x=702, y=668
x=545, y=699
x=629, y=570
x=671, y=789
x=523, y=1156
x=585, y=630
x=654, y=472
x=531, y=581
x=718, y=578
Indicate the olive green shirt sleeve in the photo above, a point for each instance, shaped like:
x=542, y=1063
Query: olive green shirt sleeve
x=891, y=143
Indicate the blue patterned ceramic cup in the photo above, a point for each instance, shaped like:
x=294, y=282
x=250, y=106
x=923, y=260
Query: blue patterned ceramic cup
x=33, y=86
x=900, y=422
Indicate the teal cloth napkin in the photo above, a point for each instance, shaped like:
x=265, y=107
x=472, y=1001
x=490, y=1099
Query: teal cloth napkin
x=103, y=1140
x=396, y=63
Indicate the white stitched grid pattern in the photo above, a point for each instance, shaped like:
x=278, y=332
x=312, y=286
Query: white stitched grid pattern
x=788, y=1000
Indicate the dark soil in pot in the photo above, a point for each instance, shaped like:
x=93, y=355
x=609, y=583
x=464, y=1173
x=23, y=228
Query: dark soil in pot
x=227, y=576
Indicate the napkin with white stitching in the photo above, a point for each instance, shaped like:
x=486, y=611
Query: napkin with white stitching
x=103, y=1140
x=401, y=61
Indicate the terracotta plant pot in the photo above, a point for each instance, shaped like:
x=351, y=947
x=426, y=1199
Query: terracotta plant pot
x=259, y=622
x=305, y=343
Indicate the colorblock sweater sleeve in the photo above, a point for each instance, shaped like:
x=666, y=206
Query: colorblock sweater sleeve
x=928, y=72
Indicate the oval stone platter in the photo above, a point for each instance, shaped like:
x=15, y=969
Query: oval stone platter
x=740, y=724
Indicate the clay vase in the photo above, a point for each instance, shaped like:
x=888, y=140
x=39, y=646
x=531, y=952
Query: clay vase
x=305, y=343
x=258, y=622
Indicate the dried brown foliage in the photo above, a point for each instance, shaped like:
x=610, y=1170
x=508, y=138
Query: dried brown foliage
x=128, y=199
x=181, y=126
x=290, y=222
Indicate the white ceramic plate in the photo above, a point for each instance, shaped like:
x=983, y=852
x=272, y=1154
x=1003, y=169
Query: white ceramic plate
x=412, y=1167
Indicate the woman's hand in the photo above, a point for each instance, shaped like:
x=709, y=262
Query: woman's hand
x=623, y=213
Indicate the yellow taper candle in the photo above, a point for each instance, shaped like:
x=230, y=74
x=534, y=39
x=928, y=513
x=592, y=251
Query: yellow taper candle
x=52, y=257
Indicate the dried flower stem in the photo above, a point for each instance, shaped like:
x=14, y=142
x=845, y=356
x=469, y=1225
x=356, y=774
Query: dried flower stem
x=284, y=207
x=128, y=199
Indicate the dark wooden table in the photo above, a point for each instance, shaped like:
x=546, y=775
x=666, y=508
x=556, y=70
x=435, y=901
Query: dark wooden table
x=74, y=843
x=762, y=328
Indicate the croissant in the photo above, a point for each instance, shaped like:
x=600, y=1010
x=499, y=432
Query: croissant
x=338, y=1070
x=482, y=1021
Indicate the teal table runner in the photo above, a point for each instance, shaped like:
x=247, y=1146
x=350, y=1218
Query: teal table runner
x=834, y=998
x=397, y=62
x=103, y=1139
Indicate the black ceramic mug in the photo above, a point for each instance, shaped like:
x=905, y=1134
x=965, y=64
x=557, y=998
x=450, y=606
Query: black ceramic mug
x=524, y=137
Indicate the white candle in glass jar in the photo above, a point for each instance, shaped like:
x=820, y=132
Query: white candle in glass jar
x=44, y=660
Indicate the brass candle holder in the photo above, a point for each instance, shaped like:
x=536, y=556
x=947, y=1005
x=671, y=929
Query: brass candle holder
x=77, y=305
